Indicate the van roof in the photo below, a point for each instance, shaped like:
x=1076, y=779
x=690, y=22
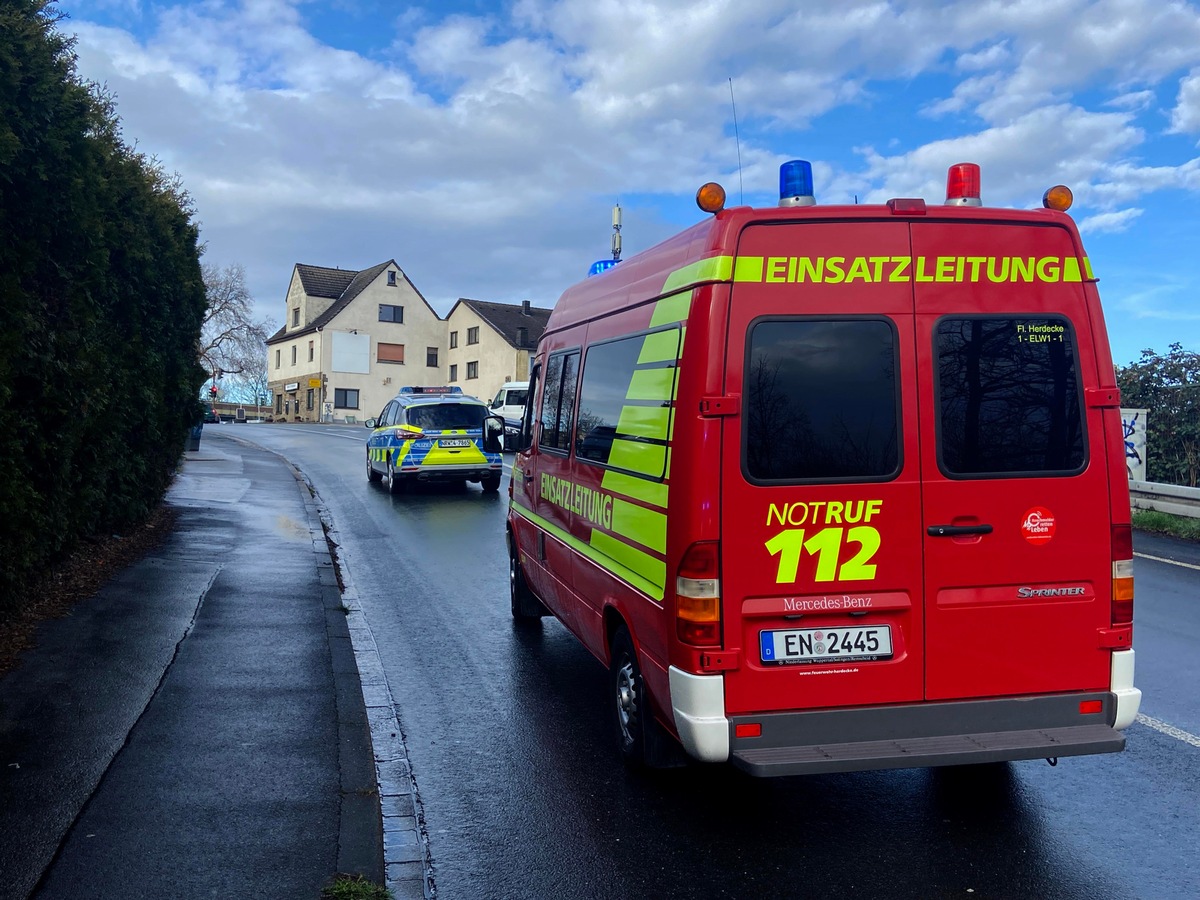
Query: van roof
x=698, y=254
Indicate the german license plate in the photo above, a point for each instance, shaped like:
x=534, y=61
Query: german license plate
x=860, y=643
x=456, y=442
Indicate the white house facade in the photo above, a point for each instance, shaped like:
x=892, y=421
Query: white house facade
x=349, y=341
x=489, y=344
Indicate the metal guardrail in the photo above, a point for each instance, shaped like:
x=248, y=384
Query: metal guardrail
x=1165, y=498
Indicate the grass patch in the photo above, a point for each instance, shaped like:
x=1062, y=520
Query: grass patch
x=355, y=887
x=1165, y=523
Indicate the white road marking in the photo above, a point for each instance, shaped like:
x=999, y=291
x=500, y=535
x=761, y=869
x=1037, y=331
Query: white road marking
x=1170, y=562
x=1169, y=730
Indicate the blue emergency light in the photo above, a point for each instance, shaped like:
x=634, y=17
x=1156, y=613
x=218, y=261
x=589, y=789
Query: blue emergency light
x=796, y=183
x=601, y=265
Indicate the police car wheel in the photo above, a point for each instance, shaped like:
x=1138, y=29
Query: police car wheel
x=373, y=476
x=491, y=483
x=396, y=482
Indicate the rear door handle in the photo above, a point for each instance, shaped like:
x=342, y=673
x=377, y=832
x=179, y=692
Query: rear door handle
x=957, y=530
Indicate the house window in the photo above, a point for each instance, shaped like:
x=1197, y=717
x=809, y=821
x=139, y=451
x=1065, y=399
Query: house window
x=293, y=354
x=391, y=279
x=431, y=354
x=278, y=403
x=390, y=353
x=390, y=313
x=345, y=398
x=310, y=351
x=473, y=335
x=309, y=399
x=278, y=354
x=453, y=373
x=453, y=339
x=472, y=370
x=295, y=317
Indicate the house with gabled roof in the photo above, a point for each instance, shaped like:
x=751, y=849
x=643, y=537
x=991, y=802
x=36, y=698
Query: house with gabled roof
x=489, y=344
x=350, y=339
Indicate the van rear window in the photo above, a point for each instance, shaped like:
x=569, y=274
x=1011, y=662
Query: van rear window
x=1008, y=396
x=821, y=400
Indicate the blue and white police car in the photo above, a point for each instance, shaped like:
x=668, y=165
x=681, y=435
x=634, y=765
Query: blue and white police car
x=435, y=434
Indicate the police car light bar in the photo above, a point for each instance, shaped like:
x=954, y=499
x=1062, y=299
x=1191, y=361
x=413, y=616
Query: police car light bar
x=962, y=185
x=796, y=183
x=601, y=266
x=409, y=389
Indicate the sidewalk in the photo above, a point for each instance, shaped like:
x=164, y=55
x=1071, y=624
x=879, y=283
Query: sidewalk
x=197, y=729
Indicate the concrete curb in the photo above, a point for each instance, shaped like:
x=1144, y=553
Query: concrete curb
x=407, y=865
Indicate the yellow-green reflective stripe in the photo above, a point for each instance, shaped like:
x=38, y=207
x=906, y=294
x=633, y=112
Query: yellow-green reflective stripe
x=662, y=346
x=652, y=384
x=645, y=421
x=602, y=559
x=652, y=492
x=1070, y=270
x=646, y=526
x=1087, y=267
x=671, y=309
x=748, y=268
x=648, y=459
x=651, y=572
x=715, y=268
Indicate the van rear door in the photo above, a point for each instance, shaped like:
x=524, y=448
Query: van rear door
x=1016, y=530
x=819, y=484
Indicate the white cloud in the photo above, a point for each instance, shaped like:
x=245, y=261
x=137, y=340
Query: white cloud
x=1112, y=222
x=483, y=152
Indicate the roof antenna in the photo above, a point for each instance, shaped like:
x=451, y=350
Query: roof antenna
x=738, y=141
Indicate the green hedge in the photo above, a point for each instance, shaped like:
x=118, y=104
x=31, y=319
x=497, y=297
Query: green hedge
x=102, y=300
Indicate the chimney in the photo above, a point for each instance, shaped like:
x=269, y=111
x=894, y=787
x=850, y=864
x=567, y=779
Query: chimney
x=522, y=335
x=525, y=308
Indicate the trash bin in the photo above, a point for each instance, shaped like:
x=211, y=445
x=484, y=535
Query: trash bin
x=194, y=437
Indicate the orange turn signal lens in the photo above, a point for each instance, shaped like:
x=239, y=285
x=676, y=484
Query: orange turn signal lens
x=1058, y=197
x=711, y=197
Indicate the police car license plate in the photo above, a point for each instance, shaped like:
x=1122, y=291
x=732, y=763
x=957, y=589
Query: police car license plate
x=456, y=442
x=865, y=643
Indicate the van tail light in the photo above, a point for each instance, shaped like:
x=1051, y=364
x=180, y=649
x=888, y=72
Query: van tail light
x=1122, y=575
x=698, y=595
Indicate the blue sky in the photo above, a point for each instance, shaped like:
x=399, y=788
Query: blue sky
x=482, y=144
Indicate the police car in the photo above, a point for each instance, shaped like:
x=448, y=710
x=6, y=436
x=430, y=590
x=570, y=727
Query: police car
x=427, y=434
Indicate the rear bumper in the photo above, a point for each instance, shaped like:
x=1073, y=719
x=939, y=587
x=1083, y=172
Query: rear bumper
x=929, y=734
x=472, y=472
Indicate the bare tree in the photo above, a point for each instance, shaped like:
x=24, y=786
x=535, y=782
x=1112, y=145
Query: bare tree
x=231, y=342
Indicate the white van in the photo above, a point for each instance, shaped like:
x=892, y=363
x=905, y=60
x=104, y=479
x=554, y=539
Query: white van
x=509, y=403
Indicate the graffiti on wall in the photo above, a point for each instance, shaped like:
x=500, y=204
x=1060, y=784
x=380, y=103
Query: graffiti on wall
x=1133, y=427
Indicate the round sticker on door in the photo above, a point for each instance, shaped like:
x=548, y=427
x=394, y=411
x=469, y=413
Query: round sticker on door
x=1038, y=525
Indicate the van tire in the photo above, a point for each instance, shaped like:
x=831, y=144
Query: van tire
x=373, y=476
x=490, y=483
x=525, y=607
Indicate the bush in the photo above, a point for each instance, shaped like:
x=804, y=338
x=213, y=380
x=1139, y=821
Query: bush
x=103, y=298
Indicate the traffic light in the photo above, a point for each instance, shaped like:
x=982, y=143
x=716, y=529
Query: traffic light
x=213, y=390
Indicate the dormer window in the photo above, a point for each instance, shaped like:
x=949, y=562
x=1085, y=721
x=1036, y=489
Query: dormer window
x=295, y=317
x=391, y=278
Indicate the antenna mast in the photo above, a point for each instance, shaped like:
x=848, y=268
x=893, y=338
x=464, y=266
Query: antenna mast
x=616, y=236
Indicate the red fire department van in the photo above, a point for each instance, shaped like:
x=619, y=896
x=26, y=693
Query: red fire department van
x=838, y=488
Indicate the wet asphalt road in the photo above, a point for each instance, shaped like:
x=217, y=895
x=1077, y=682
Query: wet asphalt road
x=524, y=797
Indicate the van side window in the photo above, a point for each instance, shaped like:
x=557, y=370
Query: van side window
x=821, y=400
x=1008, y=396
x=625, y=402
x=558, y=401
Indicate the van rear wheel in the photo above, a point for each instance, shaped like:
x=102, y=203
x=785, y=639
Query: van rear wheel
x=525, y=606
x=630, y=703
